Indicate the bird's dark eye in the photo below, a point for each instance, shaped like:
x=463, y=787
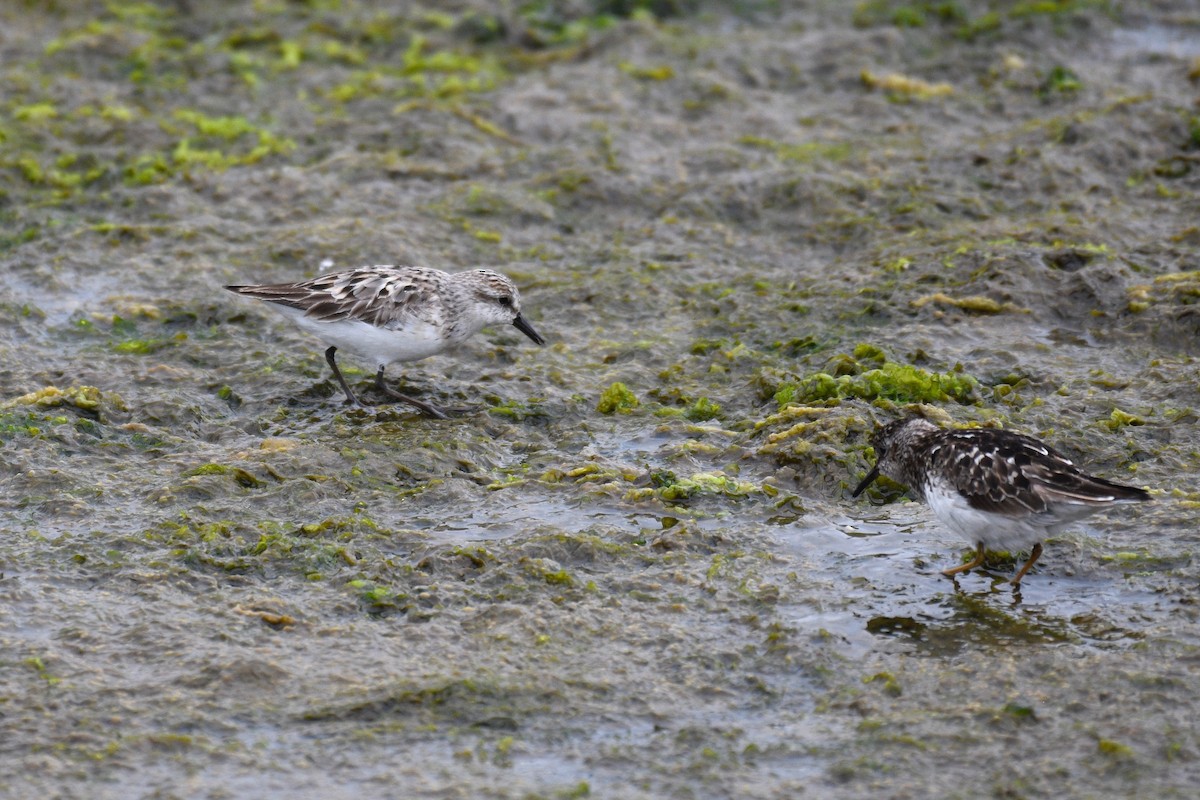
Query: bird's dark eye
x=504, y=300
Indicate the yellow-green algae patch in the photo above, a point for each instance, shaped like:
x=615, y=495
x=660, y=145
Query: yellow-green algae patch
x=901, y=383
x=617, y=398
x=665, y=485
x=701, y=410
x=86, y=397
x=242, y=477
x=818, y=440
x=976, y=304
x=1181, y=288
x=902, y=86
x=1119, y=419
x=803, y=152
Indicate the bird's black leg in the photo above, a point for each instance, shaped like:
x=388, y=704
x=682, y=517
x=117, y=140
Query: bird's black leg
x=337, y=373
x=1034, y=554
x=392, y=393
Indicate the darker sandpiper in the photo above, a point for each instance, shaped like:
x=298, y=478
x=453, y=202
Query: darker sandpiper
x=997, y=489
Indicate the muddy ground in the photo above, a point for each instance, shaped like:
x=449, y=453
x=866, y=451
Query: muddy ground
x=629, y=565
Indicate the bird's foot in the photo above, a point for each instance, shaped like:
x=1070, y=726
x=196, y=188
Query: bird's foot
x=429, y=410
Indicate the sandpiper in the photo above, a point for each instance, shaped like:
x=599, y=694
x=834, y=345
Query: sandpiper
x=997, y=489
x=387, y=313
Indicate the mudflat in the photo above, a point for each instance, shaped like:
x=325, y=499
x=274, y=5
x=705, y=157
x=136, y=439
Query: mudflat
x=628, y=565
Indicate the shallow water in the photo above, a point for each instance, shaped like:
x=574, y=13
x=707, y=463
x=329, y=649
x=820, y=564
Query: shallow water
x=1158, y=40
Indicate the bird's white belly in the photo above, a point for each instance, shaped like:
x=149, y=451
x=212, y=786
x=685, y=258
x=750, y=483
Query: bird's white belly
x=995, y=531
x=379, y=346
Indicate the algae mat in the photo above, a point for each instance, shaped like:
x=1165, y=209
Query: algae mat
x=629, y=565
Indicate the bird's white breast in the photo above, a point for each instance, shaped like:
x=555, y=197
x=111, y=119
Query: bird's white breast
x=379, y=346
x=995, y=531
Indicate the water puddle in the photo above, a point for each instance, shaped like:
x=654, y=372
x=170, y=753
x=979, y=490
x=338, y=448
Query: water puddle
x=1160, y=40
x=893, y=589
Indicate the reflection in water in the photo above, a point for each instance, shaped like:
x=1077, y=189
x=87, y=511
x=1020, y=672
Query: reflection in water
x=973, y=620
x=896, y=593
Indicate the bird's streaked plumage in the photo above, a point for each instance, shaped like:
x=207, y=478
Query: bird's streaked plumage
x=997, y=489
x=386, y=314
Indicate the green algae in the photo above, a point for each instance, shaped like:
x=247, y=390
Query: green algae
x=189, y=153
x=663, y=72
x=141, y=347
x=22, y=414
x=88, y=398
x=547, y=570
x=667, y=486
x=1059, y=81
x=35, y=113
x=377, y=598
x=711, y=638
x=520, y=410
x=617, y=398
x=38, y=665
x=964, y=23
x=802, y=153
x=976, y=304
x=903, y=87
x=240, y=476
x=1119, y=419
x=906, y=14
x=1114, y=749
x=702, y=410
x=1174, y=288
x=900, y=383
x=314, y=552
x=888, y=682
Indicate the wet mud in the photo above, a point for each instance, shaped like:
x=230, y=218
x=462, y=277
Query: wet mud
x=629, y=565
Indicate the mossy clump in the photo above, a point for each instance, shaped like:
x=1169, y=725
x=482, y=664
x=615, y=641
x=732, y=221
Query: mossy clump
x=551, y=23
x=1059, y=81
x=890, y=685
x=519, y=411
x=824, y=441
x=18, y=424
x=235, y=547
x=899, y=86
x=922, y=13
x=547, y=569
x=240, y=476
x=617, y=398
x=86, y=400
x=662, y=72
x=667, y=486
x=377, y=598
x=900, y=383
x=205, y=150
x=1119, y=419
x=702, y=410
x=804, y=152
x=914, y=14
x=974, y=304
x=1114, y=749
x=1175, y=288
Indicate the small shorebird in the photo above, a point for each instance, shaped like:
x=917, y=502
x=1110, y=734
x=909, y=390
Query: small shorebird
x=386, y=314
x=997, y=489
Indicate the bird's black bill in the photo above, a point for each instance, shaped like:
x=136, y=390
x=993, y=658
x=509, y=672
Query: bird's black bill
x=527, y=329
x=867, y=481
